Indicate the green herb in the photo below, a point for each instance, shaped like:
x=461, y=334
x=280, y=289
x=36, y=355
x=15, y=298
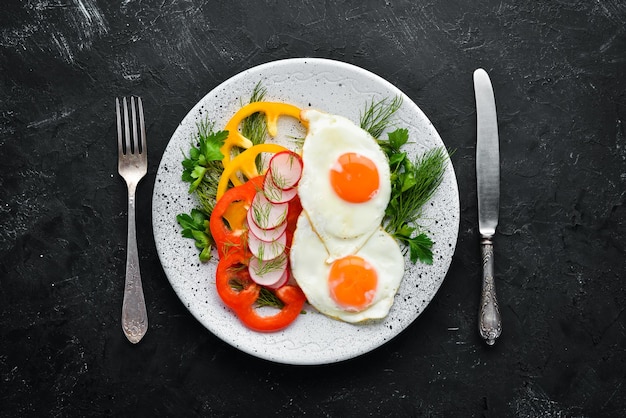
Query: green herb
x=266, y=296
x=413, y=183
x=271, y=265
x=202, y=168
x=196, y=226
x=377, y=115
x=420, y=246
x=205, y=157
x=269, y=298
x=254, y=127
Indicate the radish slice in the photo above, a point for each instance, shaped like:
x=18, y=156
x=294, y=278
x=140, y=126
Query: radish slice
x=275, y=194
x=264, y=234
x=265, y=214
x=281, y=282
x=285, y=169
x=267, y=250
x=268, y=272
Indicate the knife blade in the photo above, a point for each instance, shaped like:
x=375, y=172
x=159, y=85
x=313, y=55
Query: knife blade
x=488, y=193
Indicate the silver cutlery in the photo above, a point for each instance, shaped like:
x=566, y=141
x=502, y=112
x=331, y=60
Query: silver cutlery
x=132, y=166
x=488, y=191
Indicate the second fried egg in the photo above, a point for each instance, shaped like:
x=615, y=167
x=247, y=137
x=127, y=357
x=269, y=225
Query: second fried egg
x=354, y=288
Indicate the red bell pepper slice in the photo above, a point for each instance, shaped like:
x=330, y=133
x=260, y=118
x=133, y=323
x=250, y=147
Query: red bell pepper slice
x=295, y=208
x=242, y=301
x=291, y=296
x=227, y=239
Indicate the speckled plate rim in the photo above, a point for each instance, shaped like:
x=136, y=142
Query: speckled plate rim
x=313, y=339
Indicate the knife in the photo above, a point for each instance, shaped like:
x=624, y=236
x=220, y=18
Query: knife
x=488, y=191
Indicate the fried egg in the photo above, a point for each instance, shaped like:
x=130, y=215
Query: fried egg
x=354, y=288
x=345, y=185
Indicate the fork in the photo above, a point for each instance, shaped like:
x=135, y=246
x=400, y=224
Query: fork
x=132, y=165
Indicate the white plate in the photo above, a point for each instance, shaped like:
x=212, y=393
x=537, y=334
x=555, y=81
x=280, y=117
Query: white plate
x=333, y=87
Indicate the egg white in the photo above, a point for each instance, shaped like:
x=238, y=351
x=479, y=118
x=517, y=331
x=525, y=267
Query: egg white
x=342, y=226
x=310, y=270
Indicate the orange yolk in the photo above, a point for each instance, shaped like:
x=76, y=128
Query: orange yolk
x=354, y=178
x=352, y=283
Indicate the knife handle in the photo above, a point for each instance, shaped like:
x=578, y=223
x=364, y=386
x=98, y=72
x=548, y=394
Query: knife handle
x=489, y=321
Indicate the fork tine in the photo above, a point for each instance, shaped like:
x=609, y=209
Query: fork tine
x=120, y=139
x=129, y=145
x=135, y=140
x=142, y=127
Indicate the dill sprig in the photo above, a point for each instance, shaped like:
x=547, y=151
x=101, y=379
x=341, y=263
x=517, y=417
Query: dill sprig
x=266, y=296
x=413, y=183
x=254, y=127
x=261, y=213
x=271, y=265
x=204, y=155
x=378, y=114
x=202, y=168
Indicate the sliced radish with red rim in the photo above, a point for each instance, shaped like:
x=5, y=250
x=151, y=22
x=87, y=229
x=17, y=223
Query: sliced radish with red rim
x=281, y=282
x=274, y=193
x=267, y=250
x=268, y=272
x=264, y=234
x=265, y=214
x=285, y=169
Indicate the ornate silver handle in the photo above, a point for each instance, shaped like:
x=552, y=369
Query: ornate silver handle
x=489, y=321
x=134, y=315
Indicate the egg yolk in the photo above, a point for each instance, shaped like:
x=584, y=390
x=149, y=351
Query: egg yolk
x=352, y=283
x=354, y=178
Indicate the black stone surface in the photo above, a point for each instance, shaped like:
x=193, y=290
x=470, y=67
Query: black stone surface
x=558, y=69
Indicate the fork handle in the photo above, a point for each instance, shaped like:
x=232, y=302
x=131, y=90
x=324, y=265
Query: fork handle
x=134, y=315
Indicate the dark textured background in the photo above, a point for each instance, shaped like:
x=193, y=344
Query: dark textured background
x=558, y=69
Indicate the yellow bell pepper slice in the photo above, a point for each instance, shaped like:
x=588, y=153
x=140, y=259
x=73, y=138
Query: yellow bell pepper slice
x=242, y=160
x=271, y=110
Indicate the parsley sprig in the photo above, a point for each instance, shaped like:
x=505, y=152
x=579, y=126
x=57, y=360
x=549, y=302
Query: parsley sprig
x=196, y=227
x=413, y=183
x=202, y=169
x=204, y=156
